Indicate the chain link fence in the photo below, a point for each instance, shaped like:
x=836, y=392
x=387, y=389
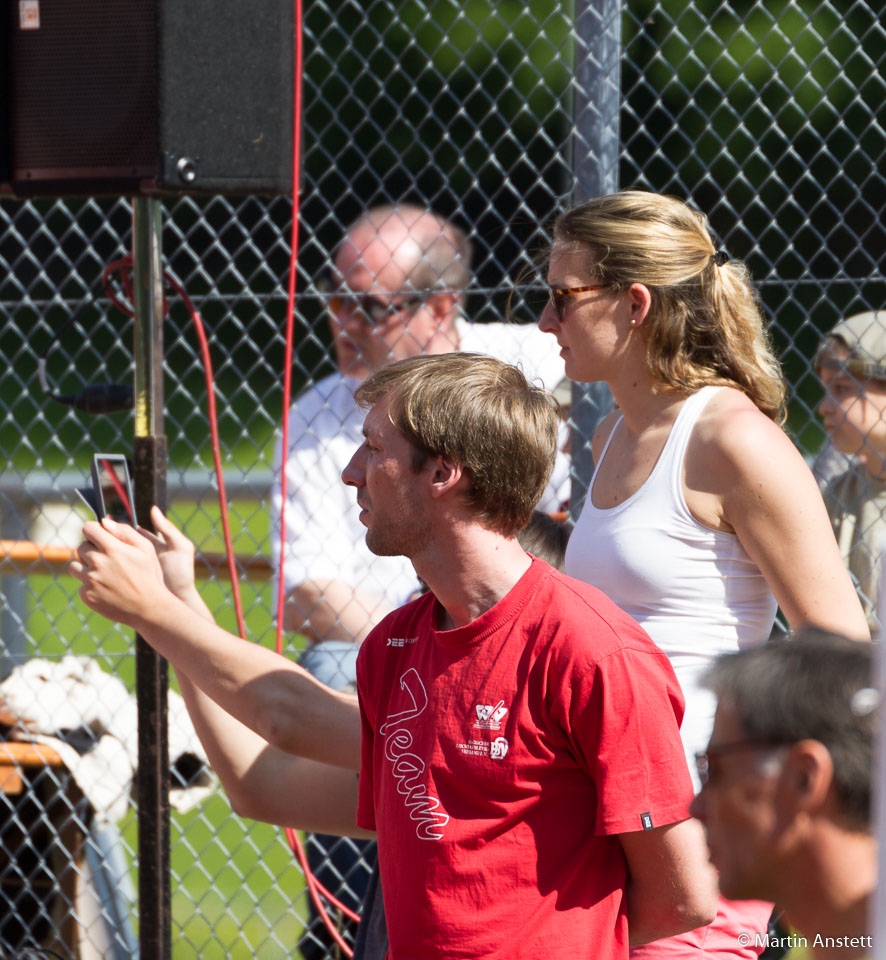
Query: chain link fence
x=768, y=116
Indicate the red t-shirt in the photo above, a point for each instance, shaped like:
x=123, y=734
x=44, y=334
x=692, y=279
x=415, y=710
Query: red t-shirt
x=500, y=761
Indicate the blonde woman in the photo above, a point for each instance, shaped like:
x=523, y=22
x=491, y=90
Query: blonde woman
x=701, y=514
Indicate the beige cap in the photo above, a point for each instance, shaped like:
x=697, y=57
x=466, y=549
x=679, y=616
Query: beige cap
x=864, y=336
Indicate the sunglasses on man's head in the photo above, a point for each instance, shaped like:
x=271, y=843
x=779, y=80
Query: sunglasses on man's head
x=560, y=296
x=374, y=309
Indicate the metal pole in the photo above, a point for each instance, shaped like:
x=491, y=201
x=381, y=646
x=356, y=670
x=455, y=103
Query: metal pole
x=152, y=675
x=595, y=162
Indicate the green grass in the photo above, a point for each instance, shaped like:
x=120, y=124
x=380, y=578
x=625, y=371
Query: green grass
x=236, y=890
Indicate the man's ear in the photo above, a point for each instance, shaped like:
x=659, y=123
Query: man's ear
x=447, y=474
x=640, y=300
x=444, y=306
x=809, y=775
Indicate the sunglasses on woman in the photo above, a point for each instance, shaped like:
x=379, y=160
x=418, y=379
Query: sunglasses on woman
x=560, y=296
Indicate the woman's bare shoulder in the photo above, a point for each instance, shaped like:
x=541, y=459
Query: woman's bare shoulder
x=732, y=424
x=736, y=444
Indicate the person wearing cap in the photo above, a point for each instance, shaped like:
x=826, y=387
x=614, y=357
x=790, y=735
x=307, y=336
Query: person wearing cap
x=851, y=363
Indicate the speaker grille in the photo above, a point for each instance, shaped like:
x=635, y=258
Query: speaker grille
x=84, y=89
x=148, y=97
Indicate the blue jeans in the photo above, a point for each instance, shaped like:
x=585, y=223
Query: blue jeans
x=342, y=865
x=333, y=662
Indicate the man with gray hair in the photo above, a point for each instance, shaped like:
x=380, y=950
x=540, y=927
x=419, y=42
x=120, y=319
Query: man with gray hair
x=786, y=788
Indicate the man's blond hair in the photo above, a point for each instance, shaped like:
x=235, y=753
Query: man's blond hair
x=481, y=413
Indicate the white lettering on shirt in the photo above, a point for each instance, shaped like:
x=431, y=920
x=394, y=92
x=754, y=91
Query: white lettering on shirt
x=408, y=768
x=401, y=641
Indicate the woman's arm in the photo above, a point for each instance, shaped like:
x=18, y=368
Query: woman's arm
x=265, y=783
x=744, y=474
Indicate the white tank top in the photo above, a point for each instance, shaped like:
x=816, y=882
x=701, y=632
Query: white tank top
x=694, y=590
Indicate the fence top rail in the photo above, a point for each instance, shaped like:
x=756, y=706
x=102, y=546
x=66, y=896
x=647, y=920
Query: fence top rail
x=45, y=486
x=25, y=557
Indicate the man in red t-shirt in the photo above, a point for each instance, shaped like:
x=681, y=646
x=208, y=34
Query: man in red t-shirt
x=521, y=759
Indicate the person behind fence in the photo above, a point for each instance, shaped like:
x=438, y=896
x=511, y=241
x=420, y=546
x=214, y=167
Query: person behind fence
x=786, y=787
x=852, y=366
x=520, y=755
x=397, y=289
x=700, y=508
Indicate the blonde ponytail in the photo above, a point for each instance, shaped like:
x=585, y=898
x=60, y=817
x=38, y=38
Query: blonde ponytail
x=704, y=325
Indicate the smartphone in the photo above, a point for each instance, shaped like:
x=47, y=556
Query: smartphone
x=111, y=492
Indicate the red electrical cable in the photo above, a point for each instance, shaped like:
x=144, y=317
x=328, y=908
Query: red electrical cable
x=315, y=888
x=122, y=269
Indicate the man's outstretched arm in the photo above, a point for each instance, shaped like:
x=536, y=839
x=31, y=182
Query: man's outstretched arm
x=262, y=781
x=268, y=694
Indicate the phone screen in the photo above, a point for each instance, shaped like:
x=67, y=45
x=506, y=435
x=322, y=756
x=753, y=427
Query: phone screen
x=114, y=489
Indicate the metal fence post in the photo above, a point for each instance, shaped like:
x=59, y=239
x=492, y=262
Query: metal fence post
x=595, y=158
x=152, y=676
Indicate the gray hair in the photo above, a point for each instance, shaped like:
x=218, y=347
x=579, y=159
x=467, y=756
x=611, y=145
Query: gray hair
x=817, y=685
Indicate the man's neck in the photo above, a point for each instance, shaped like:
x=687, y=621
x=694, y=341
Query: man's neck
x=470, y=572
x=831, y=907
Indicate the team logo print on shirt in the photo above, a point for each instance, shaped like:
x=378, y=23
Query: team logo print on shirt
x=408, y=769
x=496, y=750
x=490, y=716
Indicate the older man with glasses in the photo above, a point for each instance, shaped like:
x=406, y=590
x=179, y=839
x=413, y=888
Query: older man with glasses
x=396, y=290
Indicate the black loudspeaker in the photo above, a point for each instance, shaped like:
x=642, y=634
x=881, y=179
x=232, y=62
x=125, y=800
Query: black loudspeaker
x=148, y=97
